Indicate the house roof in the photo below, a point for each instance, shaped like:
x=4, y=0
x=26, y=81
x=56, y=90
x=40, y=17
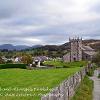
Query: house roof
x=41, y=58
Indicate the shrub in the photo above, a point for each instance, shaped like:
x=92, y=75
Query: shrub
x=5, y=66
x=59, y=67
x=96, y=59
x=99, y=75
x=90, y=72
x=9, y=61
x=66, y=66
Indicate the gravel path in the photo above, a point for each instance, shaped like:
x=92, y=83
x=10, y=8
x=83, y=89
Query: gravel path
x=96, y=91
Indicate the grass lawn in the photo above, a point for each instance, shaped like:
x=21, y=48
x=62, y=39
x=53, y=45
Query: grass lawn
x=65, y=64
x=33, y=79
x=84, y=92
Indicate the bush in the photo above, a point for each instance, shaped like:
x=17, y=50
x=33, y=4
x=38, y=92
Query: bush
x=66, y=66
x=9, y=61
x=96, y=59
x=5, y=66
x=99, y=75
x=59, y=67
x=91, y=72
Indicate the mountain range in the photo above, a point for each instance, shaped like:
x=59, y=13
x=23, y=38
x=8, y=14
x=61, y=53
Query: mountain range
x=17, y=47
x=95, y=44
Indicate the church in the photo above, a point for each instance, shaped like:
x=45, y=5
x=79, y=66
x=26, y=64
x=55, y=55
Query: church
x=78, y=51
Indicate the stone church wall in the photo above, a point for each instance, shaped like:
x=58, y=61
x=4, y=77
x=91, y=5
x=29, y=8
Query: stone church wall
x=66, y=58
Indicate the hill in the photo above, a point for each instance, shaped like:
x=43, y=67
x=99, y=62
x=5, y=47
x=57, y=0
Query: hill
x=95, y=44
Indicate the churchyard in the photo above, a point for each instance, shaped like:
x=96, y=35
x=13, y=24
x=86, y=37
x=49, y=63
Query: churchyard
x=23, y=84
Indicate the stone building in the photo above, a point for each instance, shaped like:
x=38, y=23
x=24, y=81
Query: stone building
x=87, y=53
x=78, y=51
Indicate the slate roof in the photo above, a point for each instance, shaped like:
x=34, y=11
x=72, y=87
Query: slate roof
x=90, y=53
x=87, y=48
x=41, y=58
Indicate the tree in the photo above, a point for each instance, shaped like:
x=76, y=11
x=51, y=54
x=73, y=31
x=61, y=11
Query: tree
x=1, y=60
x=96, y=58
x=26, y=59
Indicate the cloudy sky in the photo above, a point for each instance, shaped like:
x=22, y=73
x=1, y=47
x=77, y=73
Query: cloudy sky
x=32, y=22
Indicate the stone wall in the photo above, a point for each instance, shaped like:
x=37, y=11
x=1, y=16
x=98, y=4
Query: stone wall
x=67, y=88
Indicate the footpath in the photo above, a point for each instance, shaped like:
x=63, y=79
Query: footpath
x=96, y=91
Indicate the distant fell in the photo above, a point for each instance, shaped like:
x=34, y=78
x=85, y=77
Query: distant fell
x=17, y=47
x=95, y=44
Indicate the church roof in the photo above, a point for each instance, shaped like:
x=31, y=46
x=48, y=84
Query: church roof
x=91, y=53
x=87, y=48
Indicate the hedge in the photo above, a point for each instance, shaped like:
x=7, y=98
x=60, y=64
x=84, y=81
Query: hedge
x=90, y=72
x=5, y=66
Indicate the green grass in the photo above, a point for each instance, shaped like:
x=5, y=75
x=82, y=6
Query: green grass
x=64, y=64
x=84, y=92
x=22, y=78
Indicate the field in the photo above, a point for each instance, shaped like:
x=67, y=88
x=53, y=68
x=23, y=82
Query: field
x=22, y=84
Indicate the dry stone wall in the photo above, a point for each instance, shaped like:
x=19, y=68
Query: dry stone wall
x=67, y=88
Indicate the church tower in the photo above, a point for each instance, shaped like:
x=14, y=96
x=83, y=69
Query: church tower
x=75, y=49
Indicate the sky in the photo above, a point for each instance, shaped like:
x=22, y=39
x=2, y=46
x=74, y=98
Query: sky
x=33, y=22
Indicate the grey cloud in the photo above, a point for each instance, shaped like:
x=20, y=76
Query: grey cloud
x=58, y=34
x=95, y=7
x=21, y=19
